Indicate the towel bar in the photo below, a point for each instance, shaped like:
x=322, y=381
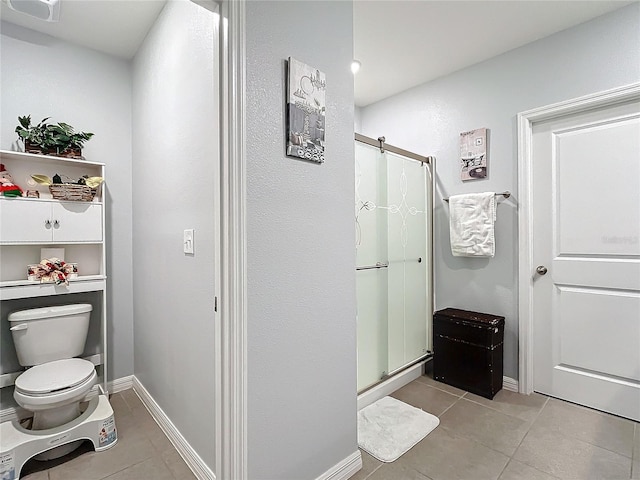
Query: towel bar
x=505, y=194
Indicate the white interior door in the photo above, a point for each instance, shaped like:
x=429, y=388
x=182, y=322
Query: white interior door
x=585, y=188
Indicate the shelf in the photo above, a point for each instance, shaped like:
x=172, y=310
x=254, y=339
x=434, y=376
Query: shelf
x=10, y=155
x=13, y=289
x=49, y=200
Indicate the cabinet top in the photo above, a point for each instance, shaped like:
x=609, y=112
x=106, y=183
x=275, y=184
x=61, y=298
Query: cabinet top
x=10, y=155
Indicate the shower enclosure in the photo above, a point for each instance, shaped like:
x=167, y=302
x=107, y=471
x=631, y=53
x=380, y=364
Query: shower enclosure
x=394, y=278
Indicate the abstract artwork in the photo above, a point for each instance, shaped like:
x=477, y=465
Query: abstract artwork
x=305, y=112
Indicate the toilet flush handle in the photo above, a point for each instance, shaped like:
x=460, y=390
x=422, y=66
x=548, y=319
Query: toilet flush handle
x=21, y=326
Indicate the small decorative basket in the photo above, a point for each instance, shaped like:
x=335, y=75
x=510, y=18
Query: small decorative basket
x=72, y=191
x=71, y=152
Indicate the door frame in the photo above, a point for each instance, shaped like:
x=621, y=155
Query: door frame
x=231, y=448
x=526, y=121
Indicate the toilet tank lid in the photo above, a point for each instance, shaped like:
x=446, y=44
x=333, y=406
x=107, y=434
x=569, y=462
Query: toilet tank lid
x=45, y=312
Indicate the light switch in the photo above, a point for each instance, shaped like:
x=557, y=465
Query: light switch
x=188, y=241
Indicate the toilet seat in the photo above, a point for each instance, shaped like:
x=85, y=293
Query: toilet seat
x=54, y=383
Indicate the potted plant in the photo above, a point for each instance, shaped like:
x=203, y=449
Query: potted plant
x=58, y=139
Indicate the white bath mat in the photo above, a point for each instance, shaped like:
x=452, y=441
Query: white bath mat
x=388, y=428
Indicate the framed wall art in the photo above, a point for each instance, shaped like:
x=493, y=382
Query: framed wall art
x=305, y=111
x=473, y=154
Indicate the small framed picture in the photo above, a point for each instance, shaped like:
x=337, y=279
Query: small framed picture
x=473, y=154
x=305, y=111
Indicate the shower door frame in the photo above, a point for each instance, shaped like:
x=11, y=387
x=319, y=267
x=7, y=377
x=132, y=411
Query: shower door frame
x=430, y=163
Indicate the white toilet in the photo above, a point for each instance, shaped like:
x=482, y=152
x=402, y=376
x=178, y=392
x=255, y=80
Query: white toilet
x=47, y=340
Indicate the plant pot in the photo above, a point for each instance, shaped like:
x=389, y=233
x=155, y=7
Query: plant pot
x=71, y=152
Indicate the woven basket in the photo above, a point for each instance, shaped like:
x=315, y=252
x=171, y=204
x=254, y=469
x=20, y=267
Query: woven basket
x=73, y=152
x=72, y=191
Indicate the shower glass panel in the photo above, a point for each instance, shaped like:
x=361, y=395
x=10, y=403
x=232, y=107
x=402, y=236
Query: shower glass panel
x=392, y=245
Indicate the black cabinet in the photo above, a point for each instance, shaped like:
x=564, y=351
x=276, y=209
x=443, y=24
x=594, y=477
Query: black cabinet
x=467, y=350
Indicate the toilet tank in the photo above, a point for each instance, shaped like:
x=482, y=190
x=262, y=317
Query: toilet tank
x=42, y=335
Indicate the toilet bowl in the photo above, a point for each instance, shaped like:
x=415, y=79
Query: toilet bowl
x=53, y=391
x=47, y=340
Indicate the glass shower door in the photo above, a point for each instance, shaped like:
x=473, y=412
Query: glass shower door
x=392, y=241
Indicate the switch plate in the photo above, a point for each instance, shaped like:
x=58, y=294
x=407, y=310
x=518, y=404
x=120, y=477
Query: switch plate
x=188, y=240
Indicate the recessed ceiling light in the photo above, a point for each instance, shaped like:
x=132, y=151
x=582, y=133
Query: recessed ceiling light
x=355, y=66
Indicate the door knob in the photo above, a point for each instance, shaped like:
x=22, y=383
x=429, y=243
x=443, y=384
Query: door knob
x=541, y=270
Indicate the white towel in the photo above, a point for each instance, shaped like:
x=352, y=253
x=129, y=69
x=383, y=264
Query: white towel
x=471, y=220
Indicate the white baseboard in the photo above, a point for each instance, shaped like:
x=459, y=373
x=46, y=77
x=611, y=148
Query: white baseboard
x=391, y=385
x=189, y=455
x=345, y=469
x=114, y=386
x=510, y=384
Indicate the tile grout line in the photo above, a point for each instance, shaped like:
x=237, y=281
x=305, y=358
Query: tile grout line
x=447, y=409
x=505, y=413
x=442, y=389
x=522, y=440
x=604, y=414
x=374, y=470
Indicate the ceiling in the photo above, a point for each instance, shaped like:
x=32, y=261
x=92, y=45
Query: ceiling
x=400, y=43
x=115, y=27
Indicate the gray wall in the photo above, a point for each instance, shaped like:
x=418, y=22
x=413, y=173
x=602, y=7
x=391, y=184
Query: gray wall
x=301, y=255
x=44, y=76
x=175, y=151
x=428, y=119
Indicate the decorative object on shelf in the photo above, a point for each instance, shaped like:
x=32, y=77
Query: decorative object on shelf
x=305, y=111
x=83, y=190
x=473, y=154
x=7, y=187
x=58, y=139
x=32, y=194
x=52, y=270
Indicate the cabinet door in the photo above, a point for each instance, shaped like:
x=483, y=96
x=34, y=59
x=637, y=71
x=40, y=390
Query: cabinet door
x=76, y=222
x=25, y=221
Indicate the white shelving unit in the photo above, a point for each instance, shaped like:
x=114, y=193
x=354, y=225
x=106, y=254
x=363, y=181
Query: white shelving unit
x=29, y=224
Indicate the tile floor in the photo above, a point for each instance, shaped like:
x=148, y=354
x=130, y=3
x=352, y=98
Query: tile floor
x=143, y=452
x=512, y=437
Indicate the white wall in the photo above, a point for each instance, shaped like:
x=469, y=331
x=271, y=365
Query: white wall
x=428, y=119
x=301, y=254
x=175, y=151
x=44, y=76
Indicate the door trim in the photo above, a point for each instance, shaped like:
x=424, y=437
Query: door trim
x=233, y=304
x=526, y=121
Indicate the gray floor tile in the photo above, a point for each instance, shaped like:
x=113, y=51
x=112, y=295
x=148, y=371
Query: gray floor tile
x=177, y=465
x=369, y=465
x=97, y=465
x=487, y=426
x=118, y=404
x=569, y=458
x=153, y=468
x=427, y=398
x=396, y=471
x=600, y=429
x=516, y=470
x=445, y=456
x=132, y=399
x=525, y=407
x=635, y=466
x=428, y=380
x=43, y=475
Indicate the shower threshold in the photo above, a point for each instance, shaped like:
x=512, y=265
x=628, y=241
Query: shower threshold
x=393, y=381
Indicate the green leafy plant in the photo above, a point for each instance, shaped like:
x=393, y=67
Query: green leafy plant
x=50, y=138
